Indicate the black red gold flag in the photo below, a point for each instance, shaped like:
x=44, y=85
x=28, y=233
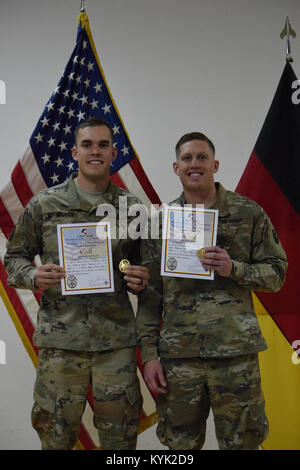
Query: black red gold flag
x=271, y=178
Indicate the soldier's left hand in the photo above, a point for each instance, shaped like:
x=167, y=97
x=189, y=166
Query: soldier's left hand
x=137, y=277
x=218, y=259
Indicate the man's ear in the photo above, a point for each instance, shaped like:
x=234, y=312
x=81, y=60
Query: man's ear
x=74, y=153
x=216, y=166
x=114, y=153
x=175, y=168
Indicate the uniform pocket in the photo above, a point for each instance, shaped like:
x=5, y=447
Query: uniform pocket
x=257, y=426
x=117, y=418
x=44, y=388
x=46, y=401
x=133, y=393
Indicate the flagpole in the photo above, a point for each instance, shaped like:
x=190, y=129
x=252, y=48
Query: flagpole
x=288, y=32
x=83, y=6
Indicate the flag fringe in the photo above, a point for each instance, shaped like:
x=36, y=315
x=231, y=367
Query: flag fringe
x=147, y=422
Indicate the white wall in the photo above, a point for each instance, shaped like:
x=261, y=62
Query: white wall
x=172, y=66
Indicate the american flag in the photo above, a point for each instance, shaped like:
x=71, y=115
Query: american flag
x=81, y=92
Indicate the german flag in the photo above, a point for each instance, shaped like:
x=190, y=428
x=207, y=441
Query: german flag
x=272, y=179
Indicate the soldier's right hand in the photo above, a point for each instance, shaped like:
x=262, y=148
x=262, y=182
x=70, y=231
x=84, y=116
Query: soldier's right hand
x=48, y=275
x=154, y=377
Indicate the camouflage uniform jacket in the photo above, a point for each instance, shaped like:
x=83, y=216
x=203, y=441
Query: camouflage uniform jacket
x=202, y=318
x=93, y=322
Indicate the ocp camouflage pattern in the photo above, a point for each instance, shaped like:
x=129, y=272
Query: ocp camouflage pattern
x=61, y=390
x=92, y=322
x=230, y=386
x=180, y=317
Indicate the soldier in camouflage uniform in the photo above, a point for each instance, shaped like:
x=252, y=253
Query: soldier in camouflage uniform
x=206, y=332
x=82, y=339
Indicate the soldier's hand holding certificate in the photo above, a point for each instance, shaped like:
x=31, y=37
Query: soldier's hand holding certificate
x=85, y=254
x=186, y=234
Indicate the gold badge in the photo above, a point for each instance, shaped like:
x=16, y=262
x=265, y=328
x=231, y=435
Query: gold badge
x=201, y=253
x=123, y=265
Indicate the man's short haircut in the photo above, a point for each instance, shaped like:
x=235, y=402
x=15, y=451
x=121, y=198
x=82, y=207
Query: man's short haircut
x=193, y=136
x=93, y=122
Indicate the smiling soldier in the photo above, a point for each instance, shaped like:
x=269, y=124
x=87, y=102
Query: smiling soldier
x=83, y=339
x=206, y=332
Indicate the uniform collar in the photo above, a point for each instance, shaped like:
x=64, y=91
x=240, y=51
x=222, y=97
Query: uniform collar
x=79, y=203
x=221, y=200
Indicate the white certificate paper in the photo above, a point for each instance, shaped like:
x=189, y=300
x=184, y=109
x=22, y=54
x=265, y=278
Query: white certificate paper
x=185, y=232
x=85, y=254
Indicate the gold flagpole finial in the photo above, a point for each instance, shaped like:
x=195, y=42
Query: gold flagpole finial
x=83, y=6
x=288, y=32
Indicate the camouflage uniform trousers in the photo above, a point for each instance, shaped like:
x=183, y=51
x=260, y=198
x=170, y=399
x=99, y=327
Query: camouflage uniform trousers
x=60, y=395
x=231, y=387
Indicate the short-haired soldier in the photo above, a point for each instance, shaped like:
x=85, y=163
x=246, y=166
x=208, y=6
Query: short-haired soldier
x=83, y=340
x=206, y=333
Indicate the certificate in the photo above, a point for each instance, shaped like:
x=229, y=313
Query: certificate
x=186, y=231
x=85, y=254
